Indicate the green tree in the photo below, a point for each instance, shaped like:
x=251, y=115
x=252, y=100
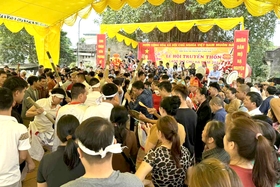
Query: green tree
x=67, y=55
x=261, y=28
x=18, y=47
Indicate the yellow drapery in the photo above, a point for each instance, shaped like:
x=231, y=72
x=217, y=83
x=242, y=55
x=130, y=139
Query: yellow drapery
x=46, y=38
x=184, y=26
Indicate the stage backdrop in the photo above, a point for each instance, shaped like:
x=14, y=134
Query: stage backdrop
x=211, y=53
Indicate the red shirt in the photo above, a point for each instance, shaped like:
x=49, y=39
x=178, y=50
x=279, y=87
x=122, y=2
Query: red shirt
x=245, y=175
x=156, y=101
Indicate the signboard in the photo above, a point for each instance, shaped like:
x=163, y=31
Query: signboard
x=100, y=50
x=240, y=52
x=175, y=53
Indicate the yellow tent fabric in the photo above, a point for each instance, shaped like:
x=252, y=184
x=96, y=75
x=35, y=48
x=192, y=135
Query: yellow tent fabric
x=203, y=25
x=254, y=7
x=49, y=16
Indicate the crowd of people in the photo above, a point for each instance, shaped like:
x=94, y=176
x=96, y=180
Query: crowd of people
x=170, y=127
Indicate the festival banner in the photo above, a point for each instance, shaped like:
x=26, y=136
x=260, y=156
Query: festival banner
x=175, y=53
x=240, y=52
x=101, y=50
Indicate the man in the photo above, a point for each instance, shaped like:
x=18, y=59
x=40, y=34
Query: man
x=240, y=81
x=76, y=107
x=170, y=70
x=14, y=142
x=82, y=79
x=214, y=75
x=241, y=92
x=33, y=93
x=252, y=102
x=163, y=78
x=141, y=94
x=42, y=87
x=270, y=93
x=165, y=89
x=109, y=98
x=141, y=76
x=160, y=67
x=41, y=124
x=214, y=89
x=3, y=77
x=216, y=105
x=96, y=145
x=95, y=94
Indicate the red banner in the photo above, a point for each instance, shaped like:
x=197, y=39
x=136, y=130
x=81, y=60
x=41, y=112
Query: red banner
x=240, y=52
x=100, y=50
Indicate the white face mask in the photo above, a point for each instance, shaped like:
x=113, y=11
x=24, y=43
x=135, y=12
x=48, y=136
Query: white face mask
x=156, y=92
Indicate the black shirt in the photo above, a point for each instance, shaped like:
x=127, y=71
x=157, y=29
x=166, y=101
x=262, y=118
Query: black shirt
x=188, y=118
x=55, y=172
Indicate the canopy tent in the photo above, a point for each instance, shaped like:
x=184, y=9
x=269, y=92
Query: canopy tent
x=204, y=25
x=43, y=19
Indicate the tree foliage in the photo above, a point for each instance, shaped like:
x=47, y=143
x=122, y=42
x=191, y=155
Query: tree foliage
x=20, y=47
x=261, y=28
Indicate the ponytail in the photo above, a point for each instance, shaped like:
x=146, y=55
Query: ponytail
x=264, y=170
x=176, y=149
x=71, y=156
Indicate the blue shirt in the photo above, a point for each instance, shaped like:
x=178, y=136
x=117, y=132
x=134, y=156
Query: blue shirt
x=147, y=99
x=216, y=74
x=220, y=115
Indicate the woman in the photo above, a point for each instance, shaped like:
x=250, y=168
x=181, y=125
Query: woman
x=170, y=161
x=203, y=116
x=64, y=164
x=192, y=69
x=245, y=143
x=213, y=173
x=168, y=106
x=234, y=103
x=212, y=136
x=119, y=117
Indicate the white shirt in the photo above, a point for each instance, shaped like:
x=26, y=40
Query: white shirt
x=103, y=110
x=43, y=124
x=92, y=98
x=14, y=138
x=255, y=112
x=76, y=110
x=170, y=72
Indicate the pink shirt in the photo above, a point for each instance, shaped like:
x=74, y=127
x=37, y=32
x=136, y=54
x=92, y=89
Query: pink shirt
x=245, y=175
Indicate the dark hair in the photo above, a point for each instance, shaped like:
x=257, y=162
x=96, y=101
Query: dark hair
x=95, y=133
x=216, y=130
x=166, y=85
x=119, y=117
x=109, y=89
x=77, y=89
x=255, y=98
x=81, y=75
x=263, y=118
x=93, y=81
x=164, y=77
x=66, y=127
x=92, y=73
x=249, y=84
x=240, y=80
x=151, y=76
x=181, y=90
x=41, y=77
x=170, y=105
x=203, y=91
x=49, y=74
x=199, y=76
x=168, y=126
x=2, y=72
x=141, y=73
x=232, y=90
x=243, y=131
x=138, y=85
x=15, y=84
x=6, y=99
x=32, y=79
x=271, y=90
x=118, y=81
x=58, y=91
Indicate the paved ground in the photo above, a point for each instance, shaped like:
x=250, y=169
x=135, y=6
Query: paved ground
x=30, y=180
